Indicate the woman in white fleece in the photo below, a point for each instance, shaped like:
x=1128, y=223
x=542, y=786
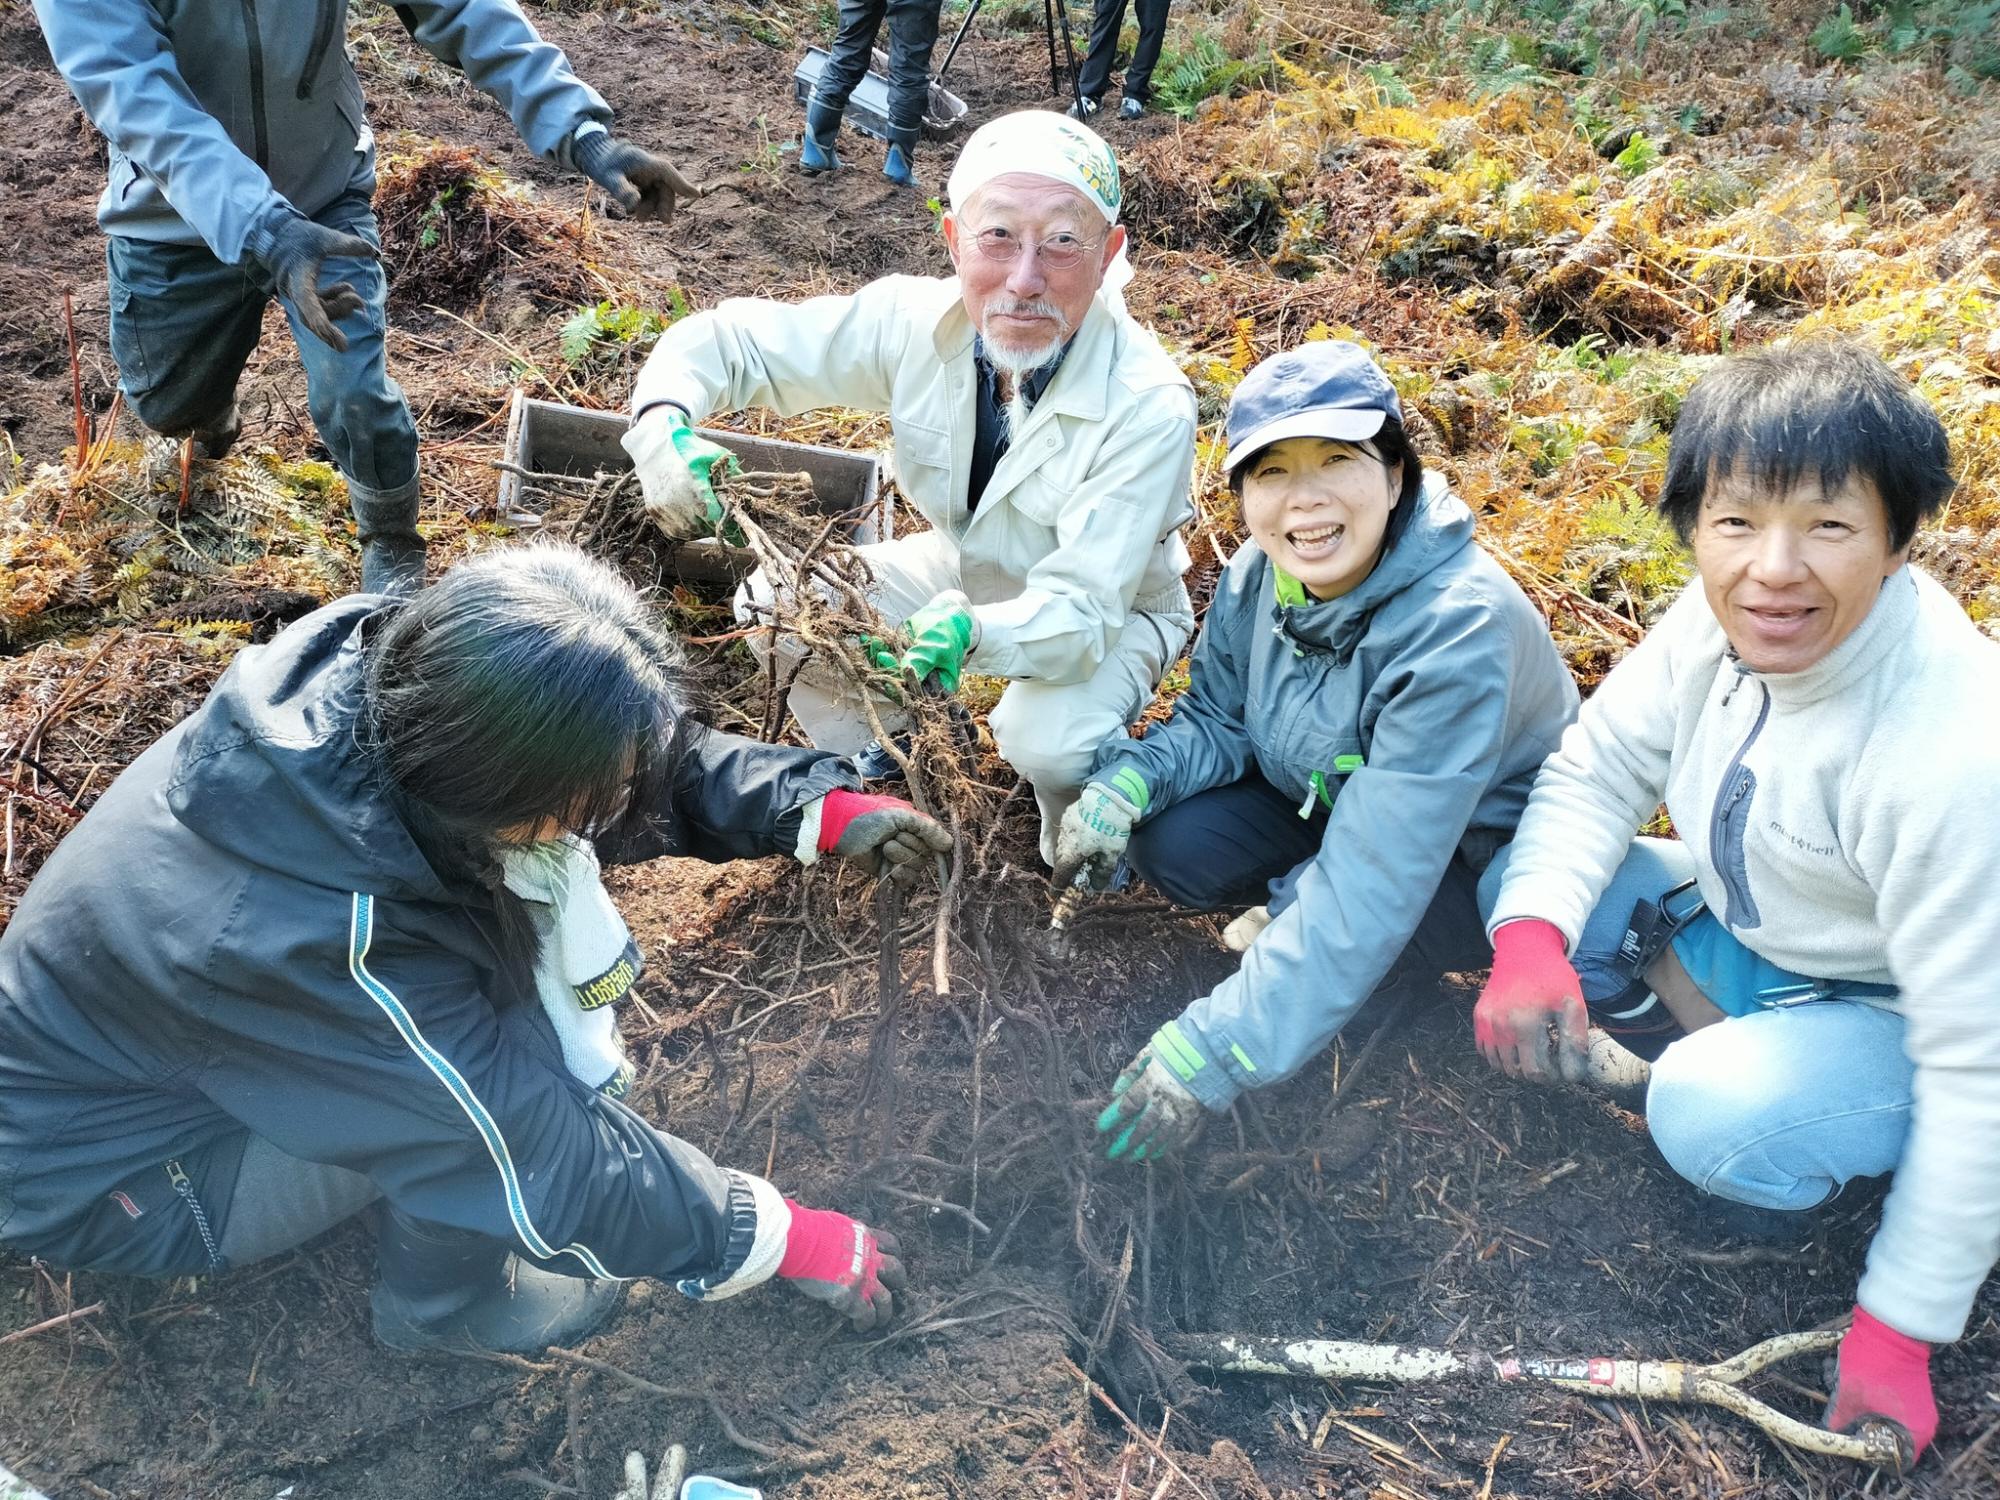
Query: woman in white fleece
x=1813, y=964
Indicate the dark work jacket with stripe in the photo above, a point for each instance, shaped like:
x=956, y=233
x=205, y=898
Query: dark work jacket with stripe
x=241, y=936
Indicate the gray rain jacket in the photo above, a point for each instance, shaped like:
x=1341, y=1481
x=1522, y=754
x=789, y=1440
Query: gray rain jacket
x=241, y=936
x=219, y=113
x=1418, y=707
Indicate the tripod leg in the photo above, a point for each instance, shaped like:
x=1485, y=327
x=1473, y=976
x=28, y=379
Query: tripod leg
x=1069, y=50
x=1049, y=29
x=958, y=40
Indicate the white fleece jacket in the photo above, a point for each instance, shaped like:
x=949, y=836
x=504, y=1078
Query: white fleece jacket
x=1843, y=823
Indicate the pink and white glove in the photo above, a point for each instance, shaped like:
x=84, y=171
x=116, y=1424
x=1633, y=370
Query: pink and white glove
x=882, y=835
x=1885, y=1376
x=843, y=1263
x=1533, y=988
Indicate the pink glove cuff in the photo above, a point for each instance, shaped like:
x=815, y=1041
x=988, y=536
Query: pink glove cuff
x=838, y=809
x=1529, y=940
x=824, y=1246
x=1873, y=1344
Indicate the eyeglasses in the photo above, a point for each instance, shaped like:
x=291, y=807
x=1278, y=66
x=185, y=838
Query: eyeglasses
x=1058, y=252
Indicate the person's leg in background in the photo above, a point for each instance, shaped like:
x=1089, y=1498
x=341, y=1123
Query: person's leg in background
x=1138, y=86
x=913, y=29
x=847, y=60
x=1050, y=733
x=1094, y=75
x=361, y=414
x=182, y=326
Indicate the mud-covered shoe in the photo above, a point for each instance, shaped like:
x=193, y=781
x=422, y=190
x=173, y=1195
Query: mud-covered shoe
x=1130, y=108
x=896, y=167
x=1082, y=109
x=445, y=1290
x=1615, y=1072
x=876, y=762
x=1241, y=933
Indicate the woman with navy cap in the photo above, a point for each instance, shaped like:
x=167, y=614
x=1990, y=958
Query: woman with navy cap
x=1371, y=699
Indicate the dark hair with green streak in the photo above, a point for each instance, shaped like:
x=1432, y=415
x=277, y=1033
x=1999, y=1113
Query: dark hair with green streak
x=526, y=684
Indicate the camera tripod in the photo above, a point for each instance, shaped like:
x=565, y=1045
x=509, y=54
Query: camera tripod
x=1055, y=18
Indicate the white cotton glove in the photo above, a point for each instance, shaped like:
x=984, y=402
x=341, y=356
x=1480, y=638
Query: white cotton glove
x=1096, y=829
x=674, y=464
x=667, y=1480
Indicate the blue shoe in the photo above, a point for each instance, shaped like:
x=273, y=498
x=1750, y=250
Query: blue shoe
x=1130, y=108
x=875, y=763
x=816, y=153
x=897, y=167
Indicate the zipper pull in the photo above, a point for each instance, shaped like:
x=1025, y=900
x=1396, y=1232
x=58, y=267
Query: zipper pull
x=178, y=1177
x=1315, y=792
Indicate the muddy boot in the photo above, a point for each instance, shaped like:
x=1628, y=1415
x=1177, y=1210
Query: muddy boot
x=392, y=550
x=1615, y=1072
x=1241, y=933
x=816, y=153
x=445, y=1290
x=897, y=167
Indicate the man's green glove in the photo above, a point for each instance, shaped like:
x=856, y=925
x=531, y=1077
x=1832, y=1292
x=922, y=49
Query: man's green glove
x=1096, y=828
x=941, y=634
x=1152, y=1110
x=676, y=467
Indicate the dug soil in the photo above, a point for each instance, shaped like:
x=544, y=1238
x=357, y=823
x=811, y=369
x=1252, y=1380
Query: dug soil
x=792, y=1024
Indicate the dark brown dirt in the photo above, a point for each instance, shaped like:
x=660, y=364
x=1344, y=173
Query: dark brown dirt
x=1397, y=1191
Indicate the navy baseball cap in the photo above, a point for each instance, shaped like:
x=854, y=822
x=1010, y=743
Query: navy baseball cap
x=1327, y=389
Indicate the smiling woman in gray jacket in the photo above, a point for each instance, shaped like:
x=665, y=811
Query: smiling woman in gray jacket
x=1370, y=699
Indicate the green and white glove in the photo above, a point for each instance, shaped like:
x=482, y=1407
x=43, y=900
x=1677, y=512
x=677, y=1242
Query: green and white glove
x=1097, y=827
x=941, y=635
x=1152, y=1111
x=676, y=467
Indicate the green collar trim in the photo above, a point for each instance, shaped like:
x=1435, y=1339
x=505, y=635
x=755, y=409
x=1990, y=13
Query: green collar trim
x=1291, y=593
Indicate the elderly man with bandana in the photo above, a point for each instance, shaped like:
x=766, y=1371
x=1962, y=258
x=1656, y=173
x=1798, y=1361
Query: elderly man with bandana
x=1045, y=436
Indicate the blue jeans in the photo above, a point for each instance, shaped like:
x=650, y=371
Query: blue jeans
x=183, y=324
x=1801, y=1088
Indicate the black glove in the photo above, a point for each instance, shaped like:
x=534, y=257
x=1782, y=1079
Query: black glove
x=297, y=248
x=644, y=185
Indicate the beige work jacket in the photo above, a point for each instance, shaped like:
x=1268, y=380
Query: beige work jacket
x=1079, y=527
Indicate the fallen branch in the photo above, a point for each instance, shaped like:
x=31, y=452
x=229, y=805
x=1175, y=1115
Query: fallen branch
x=56, y=1322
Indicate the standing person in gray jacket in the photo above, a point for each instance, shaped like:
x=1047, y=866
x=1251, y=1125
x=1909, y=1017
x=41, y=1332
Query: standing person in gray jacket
x=241, y=169
x=1811, y=963
x=1370, y=699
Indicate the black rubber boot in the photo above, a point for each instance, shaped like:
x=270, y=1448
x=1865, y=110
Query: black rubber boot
x=444, y=1290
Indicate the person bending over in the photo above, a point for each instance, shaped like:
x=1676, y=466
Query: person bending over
x=341, y=935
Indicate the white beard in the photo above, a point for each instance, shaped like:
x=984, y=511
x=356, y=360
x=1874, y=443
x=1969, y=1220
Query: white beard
x=1017, y=366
